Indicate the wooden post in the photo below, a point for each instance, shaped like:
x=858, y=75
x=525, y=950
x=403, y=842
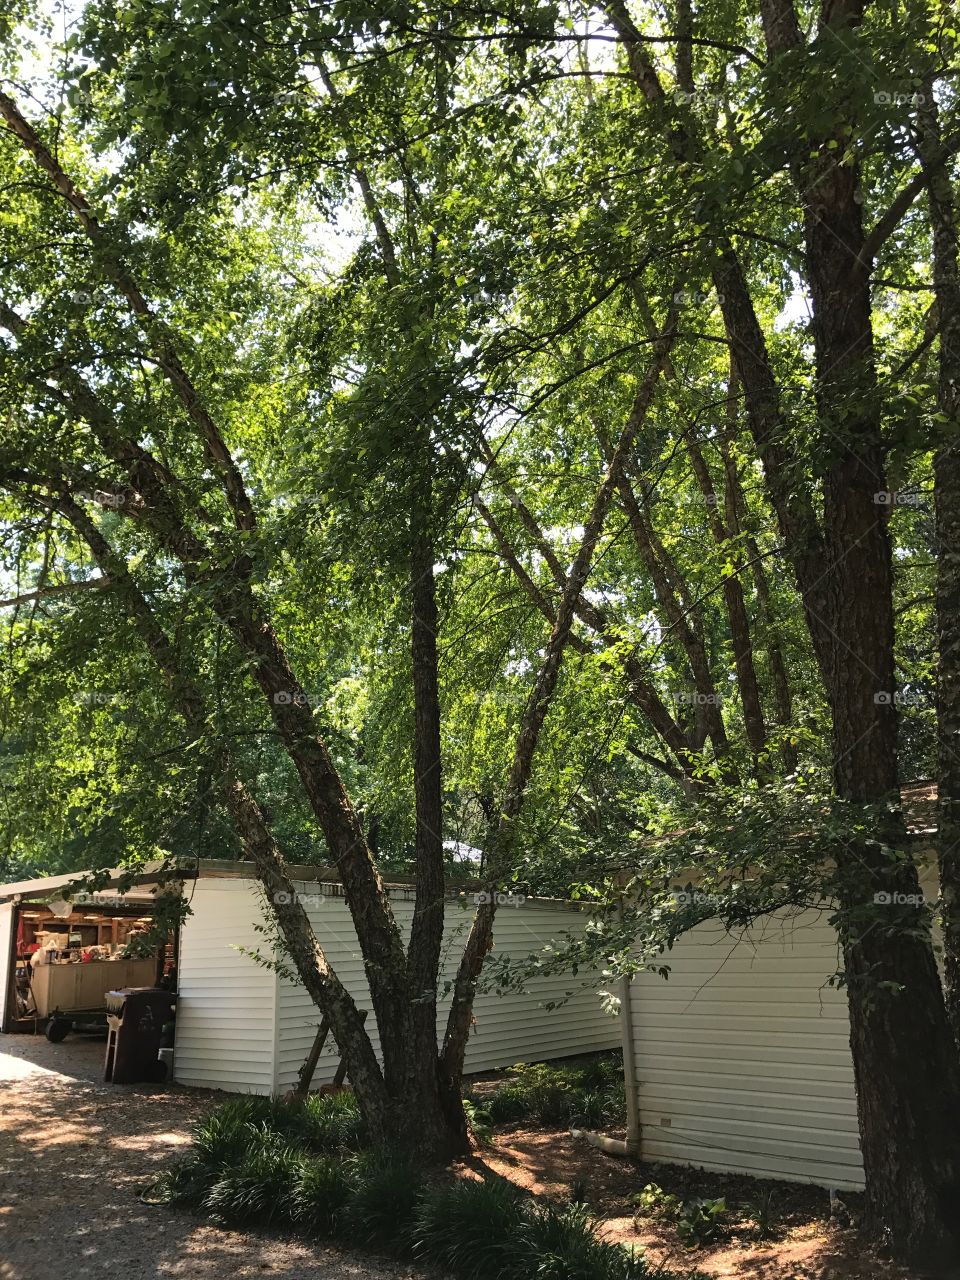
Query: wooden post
x=305, y=1074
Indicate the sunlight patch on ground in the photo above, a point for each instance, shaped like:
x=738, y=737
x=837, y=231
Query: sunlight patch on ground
x=13, y=1068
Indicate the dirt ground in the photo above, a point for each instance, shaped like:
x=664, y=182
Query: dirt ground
x=806, y=1246
x=76, y=1153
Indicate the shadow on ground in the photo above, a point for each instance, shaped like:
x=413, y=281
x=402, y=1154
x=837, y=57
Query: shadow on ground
x=76, y=1153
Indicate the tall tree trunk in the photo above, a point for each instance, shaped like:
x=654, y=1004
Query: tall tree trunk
x=908, y=1103
x=946, y=473
x=708, y=699
x=430, y=1098
x=736, y=606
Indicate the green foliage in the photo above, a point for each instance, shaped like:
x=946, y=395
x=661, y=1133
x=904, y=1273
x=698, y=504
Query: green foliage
x=254, y=1160
x=698, y=1221
x=480, y=1121
x=384, y=1190
x=333, y=1122
x=470, y=1227
x=259, y=1188
x=701, y=1222
x=321, y=1190
x=654, y=1202
x=764, y=1213
x=582, y=1095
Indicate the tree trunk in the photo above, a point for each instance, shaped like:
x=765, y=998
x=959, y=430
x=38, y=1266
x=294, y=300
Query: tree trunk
x=738, y=522
x=908, y=1102
x=736, y=607
x=708, y=699
x=946, y=478
x=432, y=1103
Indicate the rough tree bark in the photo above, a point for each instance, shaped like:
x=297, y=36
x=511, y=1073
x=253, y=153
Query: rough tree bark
x=909, y=1104
x=946, y=473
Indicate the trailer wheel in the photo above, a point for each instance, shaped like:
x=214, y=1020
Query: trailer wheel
x=57, y=1029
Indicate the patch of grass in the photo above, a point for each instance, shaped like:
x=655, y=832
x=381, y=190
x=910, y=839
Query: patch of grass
x=259, y=1187
x=562, y=1244
x=490, y=1231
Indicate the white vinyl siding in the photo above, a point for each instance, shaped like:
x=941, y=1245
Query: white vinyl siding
x=510, y=1028
x=226, y=1004
x=242, y=1028
x=743, y=1054
x=6, y=972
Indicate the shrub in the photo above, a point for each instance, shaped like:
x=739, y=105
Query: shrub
x=470, y=1227
x=587, y=1095
x=508, y=1103
x=479, y=1120
x=384, y=1190
x=319, y=1195
x=332, y=1122
x=562, y=1244
x=654, y=1202
x=763, y=1211
x=221, y=1141
x=260, y=1187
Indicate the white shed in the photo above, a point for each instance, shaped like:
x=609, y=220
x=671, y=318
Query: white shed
x=242, y=1027
x=740, y=1061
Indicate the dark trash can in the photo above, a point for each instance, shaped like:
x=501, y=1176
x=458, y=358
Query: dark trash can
x=135, y=1019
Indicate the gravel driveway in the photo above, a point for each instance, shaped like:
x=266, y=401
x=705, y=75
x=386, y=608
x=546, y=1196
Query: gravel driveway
x=74, y=1155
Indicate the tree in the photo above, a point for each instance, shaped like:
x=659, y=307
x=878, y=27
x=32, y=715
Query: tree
x=552, y=438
